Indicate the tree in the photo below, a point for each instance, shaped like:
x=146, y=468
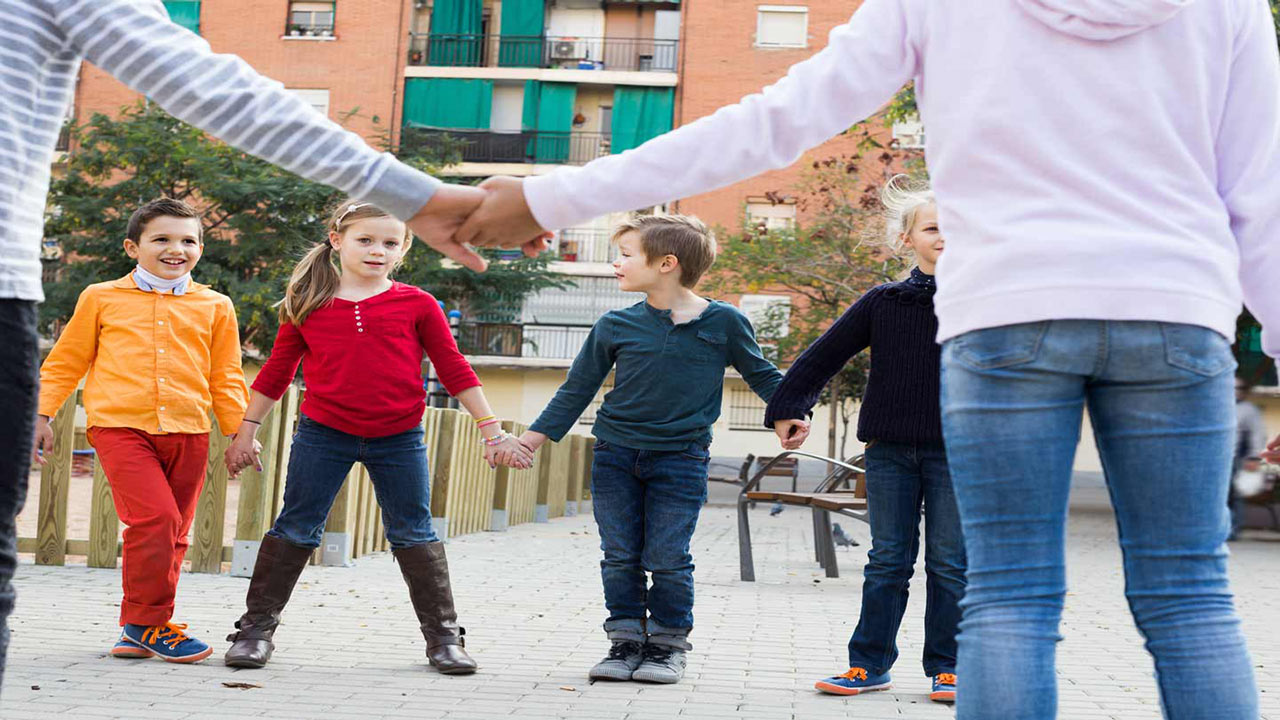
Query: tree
x=258, y=220
x=825, y=265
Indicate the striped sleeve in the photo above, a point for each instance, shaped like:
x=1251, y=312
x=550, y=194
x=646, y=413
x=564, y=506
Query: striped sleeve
x=221, y=94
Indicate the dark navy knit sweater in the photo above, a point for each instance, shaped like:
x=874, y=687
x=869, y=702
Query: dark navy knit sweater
x=896, y=321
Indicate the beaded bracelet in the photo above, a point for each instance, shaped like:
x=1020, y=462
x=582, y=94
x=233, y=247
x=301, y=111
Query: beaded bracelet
x=496, y=439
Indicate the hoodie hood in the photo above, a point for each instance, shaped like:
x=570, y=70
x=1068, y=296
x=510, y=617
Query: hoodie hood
x=1102, y=19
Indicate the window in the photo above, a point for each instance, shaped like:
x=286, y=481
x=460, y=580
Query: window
x=318, y=99
x=769, y=314
x=909, y=134
x=765, y=215
x=782, y=26
x=746, y=410
x=312, y=19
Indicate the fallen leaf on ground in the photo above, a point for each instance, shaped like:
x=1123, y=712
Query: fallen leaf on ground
x=240, y=685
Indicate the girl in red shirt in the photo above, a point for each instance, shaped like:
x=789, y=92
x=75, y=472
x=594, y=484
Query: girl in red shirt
x=360, y=338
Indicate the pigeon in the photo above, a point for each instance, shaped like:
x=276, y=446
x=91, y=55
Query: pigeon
x=842, y=540
x=775, y=510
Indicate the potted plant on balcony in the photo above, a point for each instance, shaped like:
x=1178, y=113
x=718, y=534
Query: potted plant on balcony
x=326, y=32
x=295, y=30
x=415, y=57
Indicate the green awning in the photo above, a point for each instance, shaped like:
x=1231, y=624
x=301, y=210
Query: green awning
x=456, y=33
x=548, y=111
x=522, y=33
x=185, y=13
x=640, y=114
x=448, y=103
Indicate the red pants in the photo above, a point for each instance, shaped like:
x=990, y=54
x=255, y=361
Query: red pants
x=155, y=482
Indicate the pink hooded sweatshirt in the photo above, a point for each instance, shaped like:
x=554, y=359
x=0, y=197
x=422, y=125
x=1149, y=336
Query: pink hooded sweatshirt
x=1093, y=159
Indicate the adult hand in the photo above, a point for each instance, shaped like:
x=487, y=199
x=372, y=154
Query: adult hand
x=1272, y=453
x=532, y=440
x=44, y=441
x=504, y=219
x=791, y=433
x=438, y=222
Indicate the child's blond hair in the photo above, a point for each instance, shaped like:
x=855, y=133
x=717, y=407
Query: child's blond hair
x=684, y=236
x=902, y=198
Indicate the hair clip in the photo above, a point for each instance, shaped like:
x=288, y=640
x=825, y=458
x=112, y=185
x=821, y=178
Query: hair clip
x=350, y=209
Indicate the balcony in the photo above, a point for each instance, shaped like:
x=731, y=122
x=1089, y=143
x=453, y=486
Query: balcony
x=488, y=146
x=529, y=340
x=585, y=245
x=572, y=53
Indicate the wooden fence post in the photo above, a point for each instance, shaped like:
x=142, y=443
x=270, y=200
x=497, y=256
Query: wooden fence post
x=588, y=459
x=573, y=476
x=55, y=482
x=104, y=524
x=211, y=511
x=442, y=470
x=336, y=547
x=253, y=512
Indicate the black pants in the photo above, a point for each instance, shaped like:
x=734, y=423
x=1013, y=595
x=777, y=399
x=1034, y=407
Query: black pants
x=19, y=373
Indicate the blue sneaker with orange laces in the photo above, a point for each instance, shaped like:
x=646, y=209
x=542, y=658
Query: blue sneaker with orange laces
x=129, y=650
x=168, y=641
x=854, y=681
x=944, y=688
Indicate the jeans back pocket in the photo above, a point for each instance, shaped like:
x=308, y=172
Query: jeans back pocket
x=999, y=347
x=1196, y=349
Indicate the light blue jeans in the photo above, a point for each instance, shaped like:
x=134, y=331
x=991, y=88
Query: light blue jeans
x=1160, y=398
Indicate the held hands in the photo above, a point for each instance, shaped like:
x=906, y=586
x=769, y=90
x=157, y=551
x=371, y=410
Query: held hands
x=44, y=441
x=244, y=450
x=510, y=453
x=791, y=433
x=532, y=440
x=503, y=219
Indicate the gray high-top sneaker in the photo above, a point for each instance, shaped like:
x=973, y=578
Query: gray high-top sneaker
x=662, y=664
x=623, y=658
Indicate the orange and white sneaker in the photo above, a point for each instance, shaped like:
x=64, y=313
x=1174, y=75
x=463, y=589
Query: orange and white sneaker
x=944, y=688
x=854, y=681
x=129, y=650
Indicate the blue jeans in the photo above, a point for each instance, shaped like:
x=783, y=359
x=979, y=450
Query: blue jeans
x=1160, y=398
x=901, y=477
x=646, y=504
x=318, y=464
x=19, y=371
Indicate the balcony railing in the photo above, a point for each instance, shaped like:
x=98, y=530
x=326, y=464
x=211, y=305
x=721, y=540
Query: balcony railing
x=530, y=340
x=487, y=146
x=576, y=53
x=592, y=245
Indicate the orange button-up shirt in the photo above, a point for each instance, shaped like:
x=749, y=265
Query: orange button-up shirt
x=156, y=362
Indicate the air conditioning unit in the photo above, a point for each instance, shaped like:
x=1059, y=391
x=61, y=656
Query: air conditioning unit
x=565, y=50
x=910, y=134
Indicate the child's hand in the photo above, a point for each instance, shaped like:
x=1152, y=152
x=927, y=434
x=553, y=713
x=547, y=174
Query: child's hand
x=44, y=441
x=1272, y=453
x=532, y=440
x=510, y=453
x=244, y=450
x=791, y=433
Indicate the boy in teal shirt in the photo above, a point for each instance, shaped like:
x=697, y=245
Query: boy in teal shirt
x=649, y=476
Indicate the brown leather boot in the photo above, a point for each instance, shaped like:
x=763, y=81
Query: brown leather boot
x=426, y=571
x=274, y=574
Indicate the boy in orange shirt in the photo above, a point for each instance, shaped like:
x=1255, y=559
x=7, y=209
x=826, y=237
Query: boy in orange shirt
x=160, y=350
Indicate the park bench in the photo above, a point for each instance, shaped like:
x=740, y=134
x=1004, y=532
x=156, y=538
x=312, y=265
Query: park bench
x=785, y=467
x=842, y=491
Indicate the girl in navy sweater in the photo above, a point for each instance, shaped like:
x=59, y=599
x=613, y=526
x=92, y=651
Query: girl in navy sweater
x=906, y=462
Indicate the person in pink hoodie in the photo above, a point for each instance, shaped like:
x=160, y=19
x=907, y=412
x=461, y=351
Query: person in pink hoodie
x=1108, y=179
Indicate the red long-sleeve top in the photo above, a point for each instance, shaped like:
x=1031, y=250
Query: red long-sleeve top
x=362, y=361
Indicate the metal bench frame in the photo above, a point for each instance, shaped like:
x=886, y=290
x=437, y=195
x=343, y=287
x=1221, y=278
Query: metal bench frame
x=840, y=474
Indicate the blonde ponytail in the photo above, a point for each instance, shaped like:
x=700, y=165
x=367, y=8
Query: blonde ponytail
x=312, y=285
x=902, y=199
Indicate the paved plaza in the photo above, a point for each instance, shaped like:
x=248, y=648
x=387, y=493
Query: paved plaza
x=530, y=599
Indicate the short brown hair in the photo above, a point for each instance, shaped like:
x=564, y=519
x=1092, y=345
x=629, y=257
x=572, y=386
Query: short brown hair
x=161, y=207
x=684, y=236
